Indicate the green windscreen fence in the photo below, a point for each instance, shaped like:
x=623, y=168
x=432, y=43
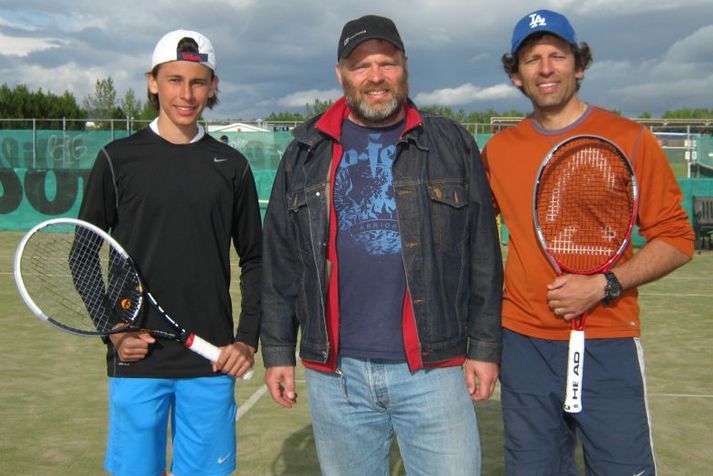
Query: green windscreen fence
x=43, y=172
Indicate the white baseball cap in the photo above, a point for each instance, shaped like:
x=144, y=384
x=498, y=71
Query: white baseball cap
x=167, y=49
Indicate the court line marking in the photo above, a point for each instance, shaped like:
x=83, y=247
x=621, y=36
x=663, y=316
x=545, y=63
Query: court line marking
x=250, y=402
x=254, y=398
x=674, y=294
x=679, y=395
x=259, y=393
x=496, y=394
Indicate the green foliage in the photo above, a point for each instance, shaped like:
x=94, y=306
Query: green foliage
x=687, y=113
x=21, y=103
x=148, y=113
x=475, y=117
x=317, y=107
x=284, y=116
x=103, y=101
x=102, y=104
x=131, y=105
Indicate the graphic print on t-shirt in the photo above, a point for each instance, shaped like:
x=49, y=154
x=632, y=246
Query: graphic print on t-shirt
x=364, y=196
x=372, y=280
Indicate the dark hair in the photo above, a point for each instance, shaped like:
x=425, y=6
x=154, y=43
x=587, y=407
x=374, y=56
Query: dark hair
x=188, y=45
x=582, y=56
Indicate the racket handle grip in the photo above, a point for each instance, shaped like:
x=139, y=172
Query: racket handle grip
x=202, y=347
x=575, y=369
x=205, y=349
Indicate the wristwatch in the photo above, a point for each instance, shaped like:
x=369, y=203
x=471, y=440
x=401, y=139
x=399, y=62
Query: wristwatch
x=613, y=288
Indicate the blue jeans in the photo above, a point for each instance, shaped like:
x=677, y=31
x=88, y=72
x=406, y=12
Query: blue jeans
x=356, y=412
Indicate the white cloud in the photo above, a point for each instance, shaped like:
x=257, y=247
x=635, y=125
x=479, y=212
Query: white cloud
x=695, y=47
x=466, y=94
x=622, y=7
x=676, y=77
x=18, y=46
x=300, y=98
x=683, y=88
x=270, y=62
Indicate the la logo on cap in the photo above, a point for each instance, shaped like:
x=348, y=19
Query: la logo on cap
x=537, y=20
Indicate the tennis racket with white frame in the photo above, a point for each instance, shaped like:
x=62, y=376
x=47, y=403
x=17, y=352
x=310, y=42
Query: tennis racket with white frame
x=584, y=207
x=78, y=278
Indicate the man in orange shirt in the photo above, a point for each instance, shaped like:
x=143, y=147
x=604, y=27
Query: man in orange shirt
x=547, y=64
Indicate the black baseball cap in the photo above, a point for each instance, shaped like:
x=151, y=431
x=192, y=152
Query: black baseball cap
x=368, y=27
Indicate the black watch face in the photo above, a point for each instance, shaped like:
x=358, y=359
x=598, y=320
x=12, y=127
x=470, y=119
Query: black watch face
x=613, y=287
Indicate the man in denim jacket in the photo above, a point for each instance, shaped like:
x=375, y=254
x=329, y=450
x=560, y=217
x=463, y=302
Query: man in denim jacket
x=380, y=247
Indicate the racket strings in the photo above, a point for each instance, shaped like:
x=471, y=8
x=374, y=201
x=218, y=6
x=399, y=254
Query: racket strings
x=105, y=280
x=69, y=274
x=586, y=199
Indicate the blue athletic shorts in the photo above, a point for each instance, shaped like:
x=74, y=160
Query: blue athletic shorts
x=202, y=412
x=614, y=426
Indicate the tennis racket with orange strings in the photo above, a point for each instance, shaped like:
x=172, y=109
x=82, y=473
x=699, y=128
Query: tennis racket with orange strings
x=584, y=207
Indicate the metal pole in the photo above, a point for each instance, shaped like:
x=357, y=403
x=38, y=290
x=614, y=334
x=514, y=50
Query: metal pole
x=64, y=142
x=34, y=143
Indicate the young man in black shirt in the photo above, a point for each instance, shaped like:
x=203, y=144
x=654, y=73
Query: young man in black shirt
x=176, y=198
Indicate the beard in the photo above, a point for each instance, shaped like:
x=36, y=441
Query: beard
x=380, y=113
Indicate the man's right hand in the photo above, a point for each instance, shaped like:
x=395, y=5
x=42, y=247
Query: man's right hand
x=280, y=381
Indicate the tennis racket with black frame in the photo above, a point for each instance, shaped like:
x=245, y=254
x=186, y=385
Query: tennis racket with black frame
x=584, y=207
x=78, y=278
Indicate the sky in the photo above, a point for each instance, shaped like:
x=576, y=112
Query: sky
x=650, y=56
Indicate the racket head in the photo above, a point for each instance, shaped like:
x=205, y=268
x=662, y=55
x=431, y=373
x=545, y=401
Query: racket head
x=584, y=204
x=75, y=276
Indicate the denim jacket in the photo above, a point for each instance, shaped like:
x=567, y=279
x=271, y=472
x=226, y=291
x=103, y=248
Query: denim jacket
x=450, y=246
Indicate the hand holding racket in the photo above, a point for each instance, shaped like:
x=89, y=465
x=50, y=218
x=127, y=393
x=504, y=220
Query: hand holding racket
x=584, y=208
x=76, y=277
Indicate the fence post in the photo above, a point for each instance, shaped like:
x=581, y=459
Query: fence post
x=64, y=142
x=34, y=143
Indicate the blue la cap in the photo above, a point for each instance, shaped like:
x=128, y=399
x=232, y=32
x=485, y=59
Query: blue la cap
x=542, y=21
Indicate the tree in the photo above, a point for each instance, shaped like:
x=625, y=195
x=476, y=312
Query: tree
x=102, y=104
x=687, y=113
x=472, y=118
x=284, y=116
x=148, y=113
x=316, y=108
x=130, y=105
x=45, y=108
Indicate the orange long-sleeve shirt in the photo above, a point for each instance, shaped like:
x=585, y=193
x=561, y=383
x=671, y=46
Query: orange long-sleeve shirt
x=512, y=159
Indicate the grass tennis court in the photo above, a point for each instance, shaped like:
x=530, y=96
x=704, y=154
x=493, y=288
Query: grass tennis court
x=53, y=391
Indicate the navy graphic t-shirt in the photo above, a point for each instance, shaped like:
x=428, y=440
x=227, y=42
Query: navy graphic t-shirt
x=371, y=271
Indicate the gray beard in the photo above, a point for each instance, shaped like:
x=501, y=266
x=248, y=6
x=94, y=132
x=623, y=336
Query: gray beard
x=368, y=114
x=376, y=115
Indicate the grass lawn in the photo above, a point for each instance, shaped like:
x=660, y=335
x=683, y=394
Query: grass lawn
x=53, y=391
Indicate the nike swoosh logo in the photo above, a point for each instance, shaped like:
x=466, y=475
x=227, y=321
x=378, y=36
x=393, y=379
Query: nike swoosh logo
x=223, y=459
x=640, y=474
x=216, y=160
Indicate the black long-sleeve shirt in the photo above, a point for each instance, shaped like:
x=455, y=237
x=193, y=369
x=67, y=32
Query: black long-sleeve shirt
x=176, y=208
